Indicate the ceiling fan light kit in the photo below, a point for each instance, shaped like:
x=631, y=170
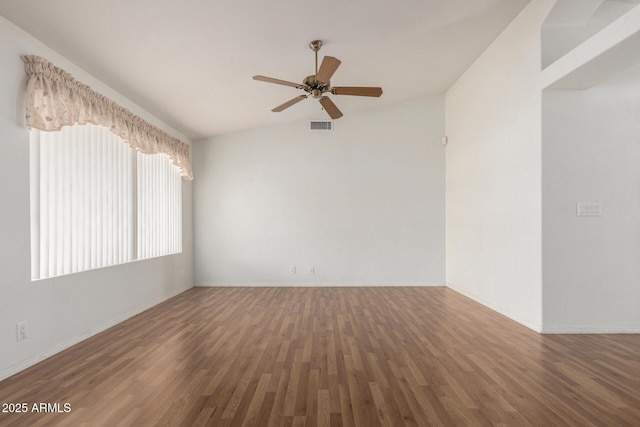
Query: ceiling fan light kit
x=319, y=84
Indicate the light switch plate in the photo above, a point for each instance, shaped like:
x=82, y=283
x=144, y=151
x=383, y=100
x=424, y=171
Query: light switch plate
x=589, y=209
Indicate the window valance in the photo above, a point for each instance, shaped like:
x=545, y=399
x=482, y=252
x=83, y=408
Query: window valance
x=55, y=99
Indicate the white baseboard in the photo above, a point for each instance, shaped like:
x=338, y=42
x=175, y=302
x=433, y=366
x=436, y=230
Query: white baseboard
x=314, y=284
x=588, y=330
x=24, y=364
x=505, y=312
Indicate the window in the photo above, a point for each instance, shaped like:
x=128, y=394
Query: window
x=97, y=202
x=105, y=184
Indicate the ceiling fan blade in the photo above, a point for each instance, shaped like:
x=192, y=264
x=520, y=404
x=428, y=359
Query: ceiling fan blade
x=278, y=82
x=327, y=68
x=357, y=91
x=330, y=108
x=289, y=103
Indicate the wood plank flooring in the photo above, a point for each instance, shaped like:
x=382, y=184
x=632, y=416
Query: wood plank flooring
x=331, y=356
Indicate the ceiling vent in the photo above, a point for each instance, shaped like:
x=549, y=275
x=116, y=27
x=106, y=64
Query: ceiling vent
x=321, y=125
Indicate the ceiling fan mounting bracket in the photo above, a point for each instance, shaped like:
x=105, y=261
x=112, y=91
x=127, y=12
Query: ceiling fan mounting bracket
x=315, y=45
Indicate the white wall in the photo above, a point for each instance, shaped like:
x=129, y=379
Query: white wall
x=363, y=204
x=591, y=152
x=63, y=310
x=493, y=173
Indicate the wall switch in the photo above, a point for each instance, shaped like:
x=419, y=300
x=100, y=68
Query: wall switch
x=312, y=270
x=21, y=330
x=292, y=269
x=589, y=209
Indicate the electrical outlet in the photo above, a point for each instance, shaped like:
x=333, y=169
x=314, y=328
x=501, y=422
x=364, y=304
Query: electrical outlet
x=21, y=330
x=312, y=270
x=292, y=269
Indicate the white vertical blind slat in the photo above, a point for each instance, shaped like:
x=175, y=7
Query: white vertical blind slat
x=102, y=199
x=75, y=211
x=44, y=208
x=34, y=200
x=64, y=209
x=55, y=200
x=93, y=199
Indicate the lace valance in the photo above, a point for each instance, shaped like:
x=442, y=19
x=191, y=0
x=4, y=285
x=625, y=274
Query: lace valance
x=55, y=99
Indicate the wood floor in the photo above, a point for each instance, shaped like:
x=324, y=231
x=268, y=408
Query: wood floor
x=331, y=356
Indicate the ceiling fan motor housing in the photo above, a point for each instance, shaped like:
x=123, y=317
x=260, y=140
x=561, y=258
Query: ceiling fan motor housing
x=314, y=87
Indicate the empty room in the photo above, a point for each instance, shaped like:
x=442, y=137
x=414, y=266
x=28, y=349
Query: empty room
x=287, y=213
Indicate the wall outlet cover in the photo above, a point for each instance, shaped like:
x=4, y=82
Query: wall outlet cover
x=21, y=330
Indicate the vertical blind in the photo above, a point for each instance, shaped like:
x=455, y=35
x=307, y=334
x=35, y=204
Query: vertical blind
x=93, y=197
x=159, y=207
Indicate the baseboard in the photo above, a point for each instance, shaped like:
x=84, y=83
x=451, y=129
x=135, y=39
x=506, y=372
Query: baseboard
x=588, y=330
x=505, y=312
x=21, y=366
x=314, y=284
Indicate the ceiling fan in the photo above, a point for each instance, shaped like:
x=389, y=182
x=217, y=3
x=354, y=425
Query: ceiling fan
x=319, y=84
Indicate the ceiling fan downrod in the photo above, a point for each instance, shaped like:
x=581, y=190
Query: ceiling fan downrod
x=315, y=46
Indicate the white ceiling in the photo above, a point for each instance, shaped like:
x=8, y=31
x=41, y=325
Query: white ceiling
x=191, y=62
